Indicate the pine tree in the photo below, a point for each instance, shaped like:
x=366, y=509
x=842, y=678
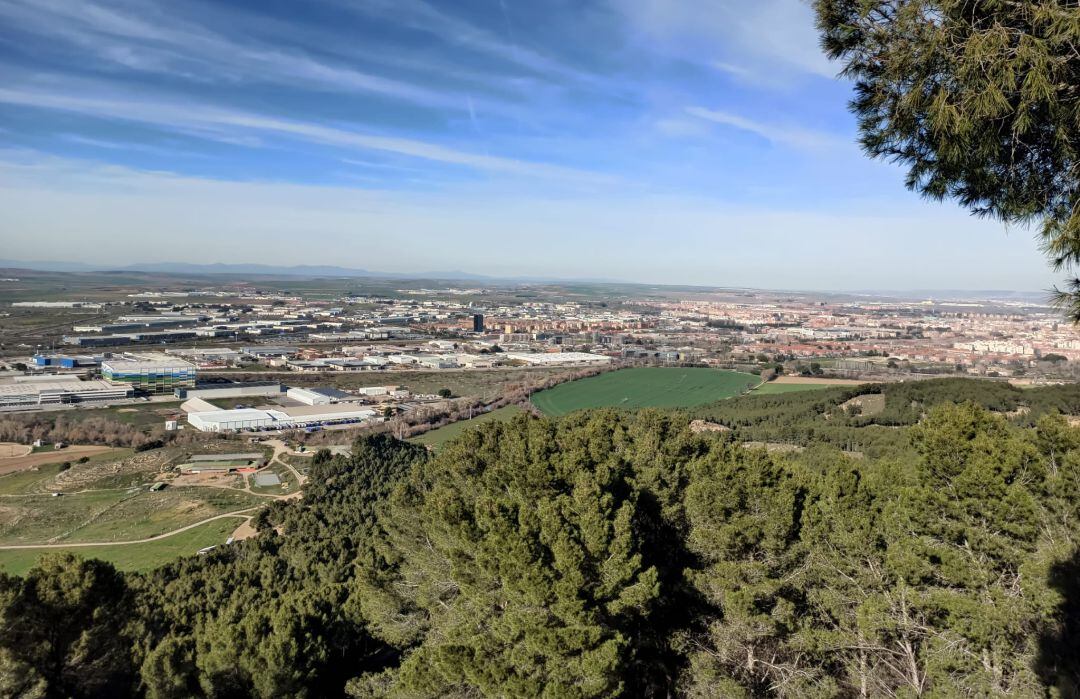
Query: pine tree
x=980, y=99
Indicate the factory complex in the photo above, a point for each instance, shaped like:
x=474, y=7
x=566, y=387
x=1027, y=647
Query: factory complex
x=150, y=373
x=256, y=419
x=123, y=377
x=58, y=389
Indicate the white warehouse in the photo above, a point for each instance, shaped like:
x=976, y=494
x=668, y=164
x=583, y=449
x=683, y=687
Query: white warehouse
x=287, y=418
x=308, y=397
x=226, y=420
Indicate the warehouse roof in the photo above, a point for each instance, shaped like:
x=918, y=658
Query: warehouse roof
x=155, y=360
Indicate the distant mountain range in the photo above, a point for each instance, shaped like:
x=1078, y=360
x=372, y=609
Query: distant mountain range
x=310, y=271
x=221, y=268
x=276, y=271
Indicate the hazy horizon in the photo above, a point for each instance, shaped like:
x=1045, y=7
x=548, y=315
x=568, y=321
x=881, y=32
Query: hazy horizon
x=675, y=143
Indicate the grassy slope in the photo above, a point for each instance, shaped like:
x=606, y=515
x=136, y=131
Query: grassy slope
x=653, y=387
x=112, y=515
x=774, y=388
x=138, y=557
x=439, y=437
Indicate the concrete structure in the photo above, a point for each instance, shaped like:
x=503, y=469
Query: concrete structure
x=228, y=420
x=30, y=391
x=554, y=358
x=285, y=418
x=63, y=361
x=246, y=456
x=264, y=480
x=198, y=405
x=151, y=373
x=265, y=352
x=308, y=396
x=210, y=391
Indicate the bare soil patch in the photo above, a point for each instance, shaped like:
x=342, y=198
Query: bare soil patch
x=699, y=426
x=869, y=404
x=815, y=381
x=21, y=463
x=10, y=450
x=244, y=531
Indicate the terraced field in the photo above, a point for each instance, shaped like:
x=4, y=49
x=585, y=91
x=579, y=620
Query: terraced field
x=647, y=387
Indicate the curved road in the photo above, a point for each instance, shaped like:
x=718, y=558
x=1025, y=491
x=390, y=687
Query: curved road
x=279, y=448
x=235, y=513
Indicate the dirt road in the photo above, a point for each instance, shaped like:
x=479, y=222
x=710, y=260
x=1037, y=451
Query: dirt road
x=52, y=456
x=236, y=513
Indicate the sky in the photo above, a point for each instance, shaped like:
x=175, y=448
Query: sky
x=660, y=141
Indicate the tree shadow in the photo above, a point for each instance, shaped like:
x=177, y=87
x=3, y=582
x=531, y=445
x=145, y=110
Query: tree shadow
x=1058, y=661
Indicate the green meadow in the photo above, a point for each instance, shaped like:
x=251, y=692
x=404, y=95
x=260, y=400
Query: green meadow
x=647, y=387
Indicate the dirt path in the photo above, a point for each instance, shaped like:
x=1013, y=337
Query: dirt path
x=811, y=380
x=52, y=456
x=11, y=450
x=235, y=513
x=244, y=531
x=239, y=534
x=279, y=449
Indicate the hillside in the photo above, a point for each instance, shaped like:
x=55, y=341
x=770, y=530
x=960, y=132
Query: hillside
x=917, y=546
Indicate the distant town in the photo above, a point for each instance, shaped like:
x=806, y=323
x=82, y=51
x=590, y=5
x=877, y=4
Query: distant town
x=269, y=353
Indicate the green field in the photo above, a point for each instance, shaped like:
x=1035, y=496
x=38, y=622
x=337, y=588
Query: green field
x=138, y=557
x=439, y=437
x=650, y=387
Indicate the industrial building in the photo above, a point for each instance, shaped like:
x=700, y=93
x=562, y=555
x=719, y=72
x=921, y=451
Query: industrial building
x=210, y=391
x=285, y=418
x=57, y=389
x=321, y=396
x=309, y=396
x=230, y=420
x=553, y=358
x=150, y=373
x=63, y=361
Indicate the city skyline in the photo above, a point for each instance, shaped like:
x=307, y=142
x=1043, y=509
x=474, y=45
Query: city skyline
x=634, y=140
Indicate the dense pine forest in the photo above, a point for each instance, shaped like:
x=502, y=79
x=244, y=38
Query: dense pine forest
x=924, y=547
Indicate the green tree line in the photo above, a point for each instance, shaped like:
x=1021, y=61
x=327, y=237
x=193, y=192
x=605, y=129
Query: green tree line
x=604, y=554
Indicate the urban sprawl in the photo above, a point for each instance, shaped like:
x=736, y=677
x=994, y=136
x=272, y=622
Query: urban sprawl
x=183, y=345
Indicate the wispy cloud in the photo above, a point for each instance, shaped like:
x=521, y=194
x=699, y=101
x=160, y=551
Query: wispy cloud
x=747, y=37
x=786, y=135
x=182, y=48
x=425, y=17
x=127, y=146
x=211, y=120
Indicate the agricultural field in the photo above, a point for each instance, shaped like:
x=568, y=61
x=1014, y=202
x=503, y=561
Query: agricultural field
x=131, y=557
x=436, y=438
x=649, y=387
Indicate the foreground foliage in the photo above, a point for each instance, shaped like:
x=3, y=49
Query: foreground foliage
x=978, y=98
x=607, y=554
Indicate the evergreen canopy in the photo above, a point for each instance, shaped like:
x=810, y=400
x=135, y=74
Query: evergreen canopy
x=979, y=98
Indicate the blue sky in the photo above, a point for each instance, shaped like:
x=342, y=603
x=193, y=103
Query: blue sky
x=648, y=140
